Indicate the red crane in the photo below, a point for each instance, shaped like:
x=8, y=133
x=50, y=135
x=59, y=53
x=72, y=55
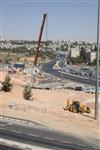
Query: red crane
x=39, y=39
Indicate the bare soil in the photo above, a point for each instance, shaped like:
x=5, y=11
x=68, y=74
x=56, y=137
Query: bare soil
x=47, y=108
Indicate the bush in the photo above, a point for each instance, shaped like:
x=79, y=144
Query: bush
x=7, y=84
x=76, y=60
x=27, y=92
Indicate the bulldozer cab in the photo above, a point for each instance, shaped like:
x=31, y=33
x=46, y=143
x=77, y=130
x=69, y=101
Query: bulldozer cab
x=75, y=106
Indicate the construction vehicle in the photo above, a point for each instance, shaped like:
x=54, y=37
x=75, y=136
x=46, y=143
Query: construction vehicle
x=76, y=107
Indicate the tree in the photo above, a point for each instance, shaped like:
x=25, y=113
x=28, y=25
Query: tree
x=95, y=49
x=83, y=55
x=27, y=92
x=93, y=63
x=8, y=58
x=76, y=60
x=18, y=58
x=7, y=85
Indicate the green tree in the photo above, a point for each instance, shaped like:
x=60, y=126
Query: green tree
x=7, y=85
x=76, y=60
x=83, y=55
x=27, y=93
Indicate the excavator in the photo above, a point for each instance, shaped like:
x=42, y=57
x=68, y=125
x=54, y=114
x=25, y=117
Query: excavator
x=76, y=107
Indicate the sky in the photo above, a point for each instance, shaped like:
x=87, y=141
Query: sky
x=68, y=19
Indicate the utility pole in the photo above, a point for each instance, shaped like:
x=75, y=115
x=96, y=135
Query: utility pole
x=97, y=68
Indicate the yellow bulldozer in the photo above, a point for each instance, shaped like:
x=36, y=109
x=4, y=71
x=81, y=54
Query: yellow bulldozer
x=76, y=107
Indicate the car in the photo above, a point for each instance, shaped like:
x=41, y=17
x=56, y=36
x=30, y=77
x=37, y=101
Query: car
x=91, y=90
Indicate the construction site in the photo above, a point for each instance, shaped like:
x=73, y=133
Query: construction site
x=59, y=103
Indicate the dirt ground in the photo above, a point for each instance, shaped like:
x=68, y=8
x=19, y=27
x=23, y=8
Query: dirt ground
x=47, y=109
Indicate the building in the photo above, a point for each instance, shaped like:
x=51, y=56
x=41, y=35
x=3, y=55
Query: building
x=91, y=56
x=75, y=52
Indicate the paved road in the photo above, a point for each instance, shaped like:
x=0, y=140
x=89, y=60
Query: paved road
x=48, y=68
x=5, y=147
x=42, y=136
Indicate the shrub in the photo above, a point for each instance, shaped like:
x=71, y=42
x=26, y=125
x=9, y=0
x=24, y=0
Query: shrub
x=7, y=84
x=27, y=92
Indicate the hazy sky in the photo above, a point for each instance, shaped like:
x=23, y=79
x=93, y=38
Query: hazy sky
x=69, y=19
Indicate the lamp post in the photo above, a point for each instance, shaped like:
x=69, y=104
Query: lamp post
x=97, y=68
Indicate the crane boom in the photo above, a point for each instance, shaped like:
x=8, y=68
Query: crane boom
x=39, y=39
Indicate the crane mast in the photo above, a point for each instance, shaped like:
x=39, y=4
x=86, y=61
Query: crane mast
x=39, y=39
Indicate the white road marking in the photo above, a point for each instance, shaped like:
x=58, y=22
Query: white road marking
x=21, y=145
x=16, y=131
x=49, y=138
x=68, y=142
x=33, y=135
x=82, y=145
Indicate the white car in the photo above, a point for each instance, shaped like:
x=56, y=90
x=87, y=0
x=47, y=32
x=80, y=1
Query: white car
x=91, y=90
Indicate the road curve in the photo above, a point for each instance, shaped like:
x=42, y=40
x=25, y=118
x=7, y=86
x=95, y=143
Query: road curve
x=48, y=68
x=44, y=137
x=6, y=147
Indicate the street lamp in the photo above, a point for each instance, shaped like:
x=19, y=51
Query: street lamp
x=97, y=68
